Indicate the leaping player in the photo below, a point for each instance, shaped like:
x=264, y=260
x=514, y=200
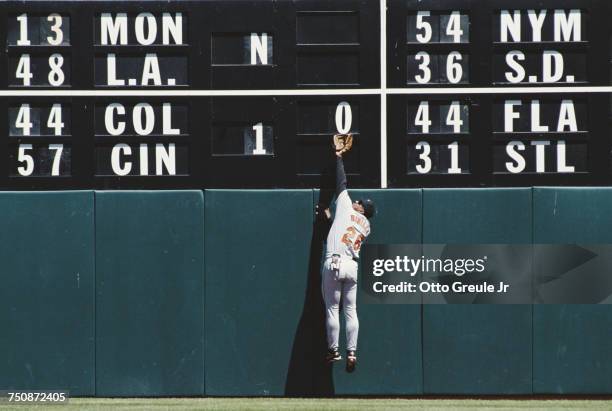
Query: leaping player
x=349, y=229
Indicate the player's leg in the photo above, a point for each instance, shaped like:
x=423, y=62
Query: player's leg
x=349, y=295
x=331, y=289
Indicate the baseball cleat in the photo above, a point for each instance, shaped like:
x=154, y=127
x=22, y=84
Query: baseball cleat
x=333, y=355
x=351, y=361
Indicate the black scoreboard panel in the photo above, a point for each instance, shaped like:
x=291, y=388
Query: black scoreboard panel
x=247, y=94
x=495, y=131
x=102, y=132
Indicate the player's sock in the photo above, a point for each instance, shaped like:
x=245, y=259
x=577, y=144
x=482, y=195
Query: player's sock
x=351, y=361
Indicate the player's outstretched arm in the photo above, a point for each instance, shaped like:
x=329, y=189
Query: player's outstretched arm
x=340, y=175
x=342, y=144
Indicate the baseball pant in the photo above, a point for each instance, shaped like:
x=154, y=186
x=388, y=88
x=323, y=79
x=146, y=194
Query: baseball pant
x=336, y=285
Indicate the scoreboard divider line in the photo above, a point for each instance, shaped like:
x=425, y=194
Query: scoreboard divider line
x=5, y=161
x=383, y=94
x=301, y=92
x=187, y=93
x=498, y=90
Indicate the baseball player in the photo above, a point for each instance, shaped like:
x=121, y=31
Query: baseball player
x=349, y=229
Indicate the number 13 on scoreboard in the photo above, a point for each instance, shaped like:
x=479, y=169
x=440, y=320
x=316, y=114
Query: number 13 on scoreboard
x=36, y=50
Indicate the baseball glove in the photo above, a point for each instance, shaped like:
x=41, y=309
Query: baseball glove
x=343, y=143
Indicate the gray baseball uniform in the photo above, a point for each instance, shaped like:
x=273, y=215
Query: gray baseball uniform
x=347, y=232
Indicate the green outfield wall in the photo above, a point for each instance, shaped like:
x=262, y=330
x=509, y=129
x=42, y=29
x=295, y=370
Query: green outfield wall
x=571, y=342
x=476, y=349
x=189, y=293
x=47, y=291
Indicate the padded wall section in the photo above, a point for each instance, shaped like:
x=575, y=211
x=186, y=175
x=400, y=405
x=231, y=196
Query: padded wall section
x=477, y=349
x=47, y=291
x=572, y=345
x=257, y=248
x=389, y=347
x=149, y=286
x=113, y=304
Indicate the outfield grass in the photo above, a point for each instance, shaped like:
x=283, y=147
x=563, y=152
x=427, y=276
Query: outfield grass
x=240, y=404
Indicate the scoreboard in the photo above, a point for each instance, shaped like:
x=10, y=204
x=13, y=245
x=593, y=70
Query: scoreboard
x=247, y=94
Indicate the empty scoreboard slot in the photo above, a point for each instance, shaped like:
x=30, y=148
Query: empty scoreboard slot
x=328, y=48
x=327, y=27
x=328, y=68
x=246, y=110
